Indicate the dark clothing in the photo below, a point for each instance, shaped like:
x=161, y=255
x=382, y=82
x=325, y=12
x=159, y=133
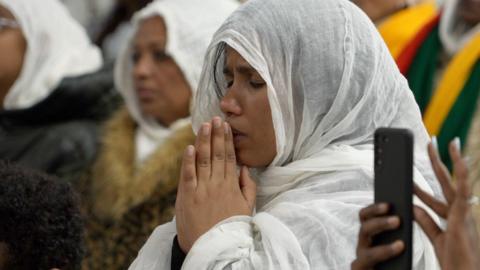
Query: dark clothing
x=178, y=256
x=59, y=135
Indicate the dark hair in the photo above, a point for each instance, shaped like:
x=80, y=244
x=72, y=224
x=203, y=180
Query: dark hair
x=40, y=220
x=218, y=69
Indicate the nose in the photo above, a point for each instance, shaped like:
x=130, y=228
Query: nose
x=229, y=104
x=142, y=68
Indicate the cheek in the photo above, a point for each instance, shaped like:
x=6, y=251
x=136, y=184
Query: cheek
x=171, y=86
x=268, y=138
x=11, y=63
x=262, y=118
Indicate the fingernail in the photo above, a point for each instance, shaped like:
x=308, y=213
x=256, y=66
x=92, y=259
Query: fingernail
x=226, y=128
x=206, y=129
x=457, y=143
x=190, y=150
x=247, y=171
x=383, y=207
x=397, y=245
x=435, y=143
x=393, y=220
x=470, y=161
x=217, y=122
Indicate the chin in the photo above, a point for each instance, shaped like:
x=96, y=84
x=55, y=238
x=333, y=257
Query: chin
x=245, y=158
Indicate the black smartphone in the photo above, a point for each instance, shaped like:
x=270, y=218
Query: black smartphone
x=394, y=185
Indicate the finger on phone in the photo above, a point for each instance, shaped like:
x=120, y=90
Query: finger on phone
x=377, y=225
x=373, y=210
x=374, y=226
x=372, y=256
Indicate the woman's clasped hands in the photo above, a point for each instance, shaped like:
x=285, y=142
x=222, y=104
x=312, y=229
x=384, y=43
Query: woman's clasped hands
x=210, y=189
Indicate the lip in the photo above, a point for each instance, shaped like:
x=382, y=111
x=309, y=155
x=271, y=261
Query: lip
x=238, y=137
x=144, y=94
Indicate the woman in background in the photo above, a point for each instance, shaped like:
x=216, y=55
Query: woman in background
x=49, y=104
x=133, y=181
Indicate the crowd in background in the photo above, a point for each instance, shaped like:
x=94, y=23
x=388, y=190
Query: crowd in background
x=103, y=104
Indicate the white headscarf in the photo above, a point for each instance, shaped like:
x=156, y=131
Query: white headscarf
x=190, y=26
x=454, y=32
x=331, y=82
x=57, y=47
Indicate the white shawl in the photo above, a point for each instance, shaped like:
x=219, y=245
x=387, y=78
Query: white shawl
x=57, y=47
x=331, y=82
x=190, y=26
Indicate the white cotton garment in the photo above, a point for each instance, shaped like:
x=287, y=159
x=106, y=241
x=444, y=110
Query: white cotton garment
x=331, y=82
x=57, y=47
x=190, y=25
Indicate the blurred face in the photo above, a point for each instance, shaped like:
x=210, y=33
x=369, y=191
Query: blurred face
x=247, y=110
x=162, y=90
x=470, y=11
x=13, y=42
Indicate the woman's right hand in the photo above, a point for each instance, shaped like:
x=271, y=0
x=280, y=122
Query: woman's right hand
x=374, y=220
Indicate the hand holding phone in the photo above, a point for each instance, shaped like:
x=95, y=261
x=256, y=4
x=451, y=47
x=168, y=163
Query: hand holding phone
x=385, y=237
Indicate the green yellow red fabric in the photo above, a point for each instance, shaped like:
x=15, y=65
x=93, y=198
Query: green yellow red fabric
x=447, y=109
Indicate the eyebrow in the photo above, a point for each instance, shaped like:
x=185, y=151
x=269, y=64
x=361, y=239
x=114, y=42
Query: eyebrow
x=151, y=44
x=242, y=69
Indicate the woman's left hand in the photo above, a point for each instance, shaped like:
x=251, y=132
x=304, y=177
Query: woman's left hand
x=457, y=246
x=209, y=189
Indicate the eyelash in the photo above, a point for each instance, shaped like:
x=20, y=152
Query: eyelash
x=255, y=85
x=158, y=56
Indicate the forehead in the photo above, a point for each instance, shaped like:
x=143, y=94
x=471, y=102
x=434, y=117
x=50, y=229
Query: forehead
x=232, y=57
x=151, y=30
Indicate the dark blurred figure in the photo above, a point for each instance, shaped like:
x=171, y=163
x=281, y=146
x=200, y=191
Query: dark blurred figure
x=41, y=226
x=379, y=9
x=91, y=14
x=117, y=27
x=52, y=90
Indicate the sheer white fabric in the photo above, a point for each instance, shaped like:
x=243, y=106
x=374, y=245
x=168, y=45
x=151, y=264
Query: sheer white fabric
x=331, y=82
x=190, y=25
x=57, y=47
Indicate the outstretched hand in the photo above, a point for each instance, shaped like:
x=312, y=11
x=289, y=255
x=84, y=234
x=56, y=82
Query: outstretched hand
x=457, y=246
x=210, y=190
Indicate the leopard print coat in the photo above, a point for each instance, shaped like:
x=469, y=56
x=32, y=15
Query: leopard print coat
x=124, y=204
